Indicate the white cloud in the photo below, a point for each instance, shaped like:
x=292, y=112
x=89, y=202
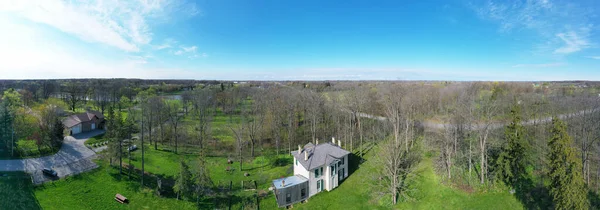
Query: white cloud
x=538, y=65
x=573, y=42
x=563, y=27
x=192, y=10
x=191, y=52
x=28, y=53
x=190, y=49
x=168, y=43
x=593, y=57
x=118, y=23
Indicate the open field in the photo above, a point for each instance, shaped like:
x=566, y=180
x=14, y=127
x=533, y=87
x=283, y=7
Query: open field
x=102, y=184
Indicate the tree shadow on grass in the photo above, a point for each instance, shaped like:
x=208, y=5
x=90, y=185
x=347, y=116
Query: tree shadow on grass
x=17, y=192
x=354, y=161
x=594, y=199
x=532, y=195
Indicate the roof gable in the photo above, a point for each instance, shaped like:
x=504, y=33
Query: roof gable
x=319, y=155
x=75, y=119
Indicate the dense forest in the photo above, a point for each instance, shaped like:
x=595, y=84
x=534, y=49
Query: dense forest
x=538, y=140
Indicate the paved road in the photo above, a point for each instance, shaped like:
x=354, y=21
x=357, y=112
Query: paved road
x=73, y=157
x=437, y=125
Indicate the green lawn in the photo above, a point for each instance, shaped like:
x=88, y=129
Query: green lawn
x=221, y=131
x=97, y=189
x=360, y=192
x=165, y=164
x=431, y=194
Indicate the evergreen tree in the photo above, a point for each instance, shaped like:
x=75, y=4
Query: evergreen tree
x=115, y=149
x=6, y=122
x=57, y=132
x=513, y=159
x=184, y=181
x=567, y=187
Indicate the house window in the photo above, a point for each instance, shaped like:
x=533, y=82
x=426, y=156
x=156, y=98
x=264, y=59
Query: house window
x=341, y=162
x=296, y=162
x=303, y=193
x=318, y=172
x=333, y=170
x=288, y=198
x=319, y=185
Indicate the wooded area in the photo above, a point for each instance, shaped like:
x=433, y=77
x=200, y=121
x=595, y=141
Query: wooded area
x=540, y=140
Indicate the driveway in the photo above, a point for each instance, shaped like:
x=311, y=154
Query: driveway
x=74, y=157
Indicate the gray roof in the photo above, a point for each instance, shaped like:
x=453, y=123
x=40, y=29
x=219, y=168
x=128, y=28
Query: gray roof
x=319, y=155
x=289, y=181
x=75, y=119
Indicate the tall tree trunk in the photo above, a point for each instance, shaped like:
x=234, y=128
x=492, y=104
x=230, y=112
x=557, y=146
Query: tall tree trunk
x=252, y=142
x=176, y=142
x=120, y=157
x=470, y=158
x=482, y=163
x=142, y=145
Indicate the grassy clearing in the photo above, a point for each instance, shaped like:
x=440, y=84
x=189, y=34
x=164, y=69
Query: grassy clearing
x=221, y=132
x=360, y=192
x=261, y=169
x=17, y=192
x=96, y=190
x=432, y=194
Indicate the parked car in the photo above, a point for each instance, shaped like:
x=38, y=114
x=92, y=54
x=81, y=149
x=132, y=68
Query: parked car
x=132, y=148
x=49, y=172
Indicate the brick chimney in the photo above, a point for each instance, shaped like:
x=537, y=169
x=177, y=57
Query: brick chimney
x=283, y=182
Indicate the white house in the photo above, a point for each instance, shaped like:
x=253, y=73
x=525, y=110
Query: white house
x=319, y=167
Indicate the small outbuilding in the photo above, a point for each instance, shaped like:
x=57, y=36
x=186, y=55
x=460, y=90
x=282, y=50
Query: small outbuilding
x=290, y=190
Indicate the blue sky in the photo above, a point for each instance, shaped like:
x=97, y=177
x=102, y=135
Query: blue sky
x=301, y=40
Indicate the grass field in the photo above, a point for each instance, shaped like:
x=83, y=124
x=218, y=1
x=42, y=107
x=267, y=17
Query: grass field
x=263, y=170
x=97, y=189
x=360, y=192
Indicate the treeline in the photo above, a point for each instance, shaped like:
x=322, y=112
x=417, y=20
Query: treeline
x=480, y=134
x=29, y=130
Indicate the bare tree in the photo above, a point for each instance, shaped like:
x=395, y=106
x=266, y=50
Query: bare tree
x=313, y=104
x=238, y=130
x=397, y=166
x=253, y=119
x=488, y=109
x=391, y=99
x=74, y=93
x=203, y=103
x=174, y=121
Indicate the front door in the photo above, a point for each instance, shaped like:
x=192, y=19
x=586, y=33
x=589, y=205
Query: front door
x=340, y=175
x=93, y=126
